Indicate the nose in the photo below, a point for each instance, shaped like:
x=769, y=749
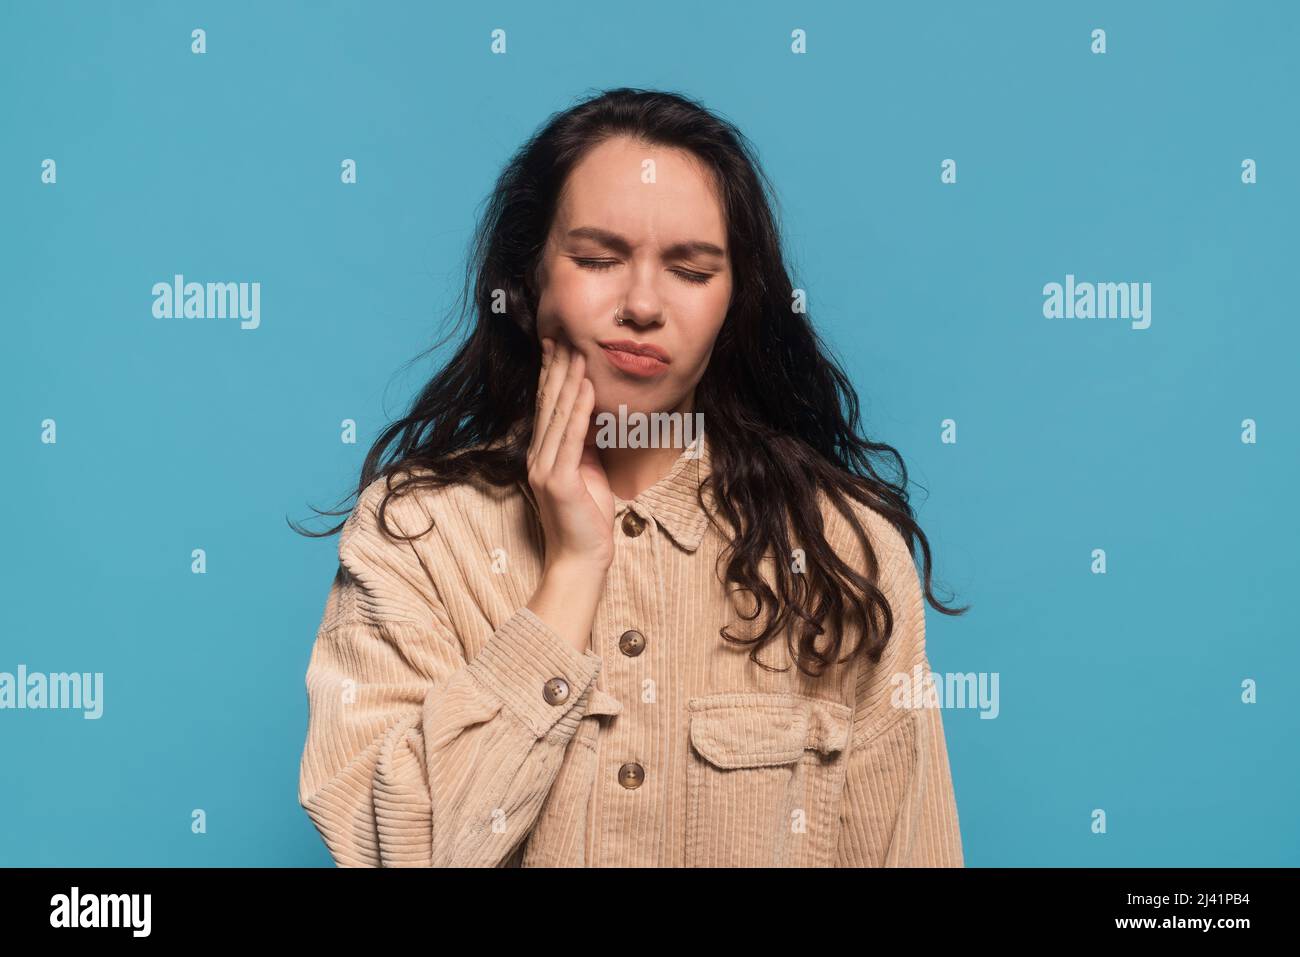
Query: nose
x=633, y=320
x=641, y=308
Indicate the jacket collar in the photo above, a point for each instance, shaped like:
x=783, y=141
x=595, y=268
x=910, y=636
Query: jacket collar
x=672, y=501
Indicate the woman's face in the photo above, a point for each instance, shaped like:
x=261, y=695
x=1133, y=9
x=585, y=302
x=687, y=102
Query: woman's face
x=637, y=229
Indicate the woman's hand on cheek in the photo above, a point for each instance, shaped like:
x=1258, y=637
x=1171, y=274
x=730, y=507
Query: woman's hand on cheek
x=573, y=494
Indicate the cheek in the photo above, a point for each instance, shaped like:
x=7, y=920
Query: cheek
x=570, y=305
x=696, y=349
x=549, y=314
x=549, y=327
x=687, y=374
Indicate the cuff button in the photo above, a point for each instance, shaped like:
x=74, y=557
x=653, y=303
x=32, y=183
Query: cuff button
x=556, y=691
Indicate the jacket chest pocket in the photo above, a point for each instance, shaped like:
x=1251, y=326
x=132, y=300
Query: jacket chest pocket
x=764, y=778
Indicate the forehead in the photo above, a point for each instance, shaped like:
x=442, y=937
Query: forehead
x=609, y=187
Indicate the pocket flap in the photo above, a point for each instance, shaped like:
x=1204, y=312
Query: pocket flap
x=755, y=729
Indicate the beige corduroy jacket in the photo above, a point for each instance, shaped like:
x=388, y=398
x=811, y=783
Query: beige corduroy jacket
x=448, y=725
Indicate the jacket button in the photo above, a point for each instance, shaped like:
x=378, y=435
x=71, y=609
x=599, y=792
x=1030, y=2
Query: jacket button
x=631, y=775
x=632, y=643
x=556, y=691
x=633, y=524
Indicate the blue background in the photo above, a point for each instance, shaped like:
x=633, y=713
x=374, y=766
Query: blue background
x=1118, y=691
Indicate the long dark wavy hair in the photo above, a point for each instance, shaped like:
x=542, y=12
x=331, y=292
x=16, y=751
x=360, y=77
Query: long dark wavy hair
x=783, y=416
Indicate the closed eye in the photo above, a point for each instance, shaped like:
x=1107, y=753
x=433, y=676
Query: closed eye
x=698, y=278
x=595, y=263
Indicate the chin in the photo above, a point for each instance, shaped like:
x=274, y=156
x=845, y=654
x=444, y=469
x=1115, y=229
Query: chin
x=632, y=403
x=638, y=397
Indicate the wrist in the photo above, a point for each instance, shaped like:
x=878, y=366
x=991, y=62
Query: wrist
x=576, y=572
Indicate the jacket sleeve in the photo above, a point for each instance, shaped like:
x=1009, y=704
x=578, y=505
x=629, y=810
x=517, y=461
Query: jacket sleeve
x=416, y=756
x=899, y=809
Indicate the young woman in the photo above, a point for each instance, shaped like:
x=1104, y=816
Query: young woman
x=551, y=644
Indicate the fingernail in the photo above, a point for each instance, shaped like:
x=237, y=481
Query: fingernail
x=547, y=346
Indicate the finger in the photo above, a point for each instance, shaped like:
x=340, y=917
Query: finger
x=560, y=414
x=566, y=395
x=575, y=433
x=548, y=350
x=548, y=393
x=556, y=369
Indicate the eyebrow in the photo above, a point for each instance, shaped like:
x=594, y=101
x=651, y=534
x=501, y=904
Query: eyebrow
x=619, y=244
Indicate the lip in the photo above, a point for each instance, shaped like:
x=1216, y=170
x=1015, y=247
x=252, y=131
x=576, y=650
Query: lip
x=636, y=348
x=636, y=358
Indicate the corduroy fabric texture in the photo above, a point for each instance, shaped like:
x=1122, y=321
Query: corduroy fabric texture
x=432, y=740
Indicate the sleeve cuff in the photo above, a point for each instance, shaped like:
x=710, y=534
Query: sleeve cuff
x=518, y=662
